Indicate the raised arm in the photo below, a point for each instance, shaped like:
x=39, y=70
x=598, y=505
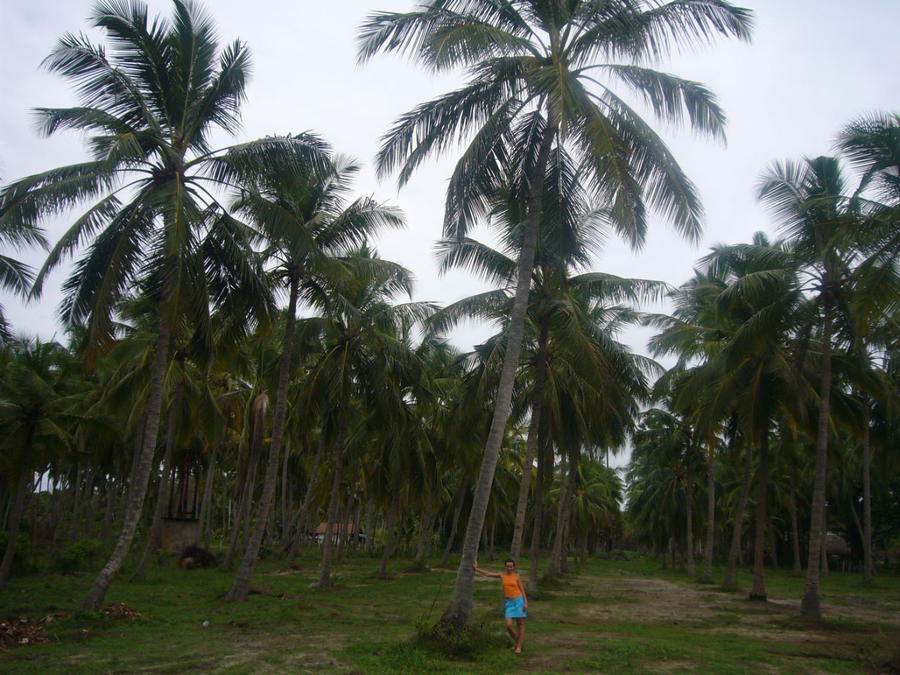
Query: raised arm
x=484, y=572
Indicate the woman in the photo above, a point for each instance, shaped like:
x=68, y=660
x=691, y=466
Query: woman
x=516, y=601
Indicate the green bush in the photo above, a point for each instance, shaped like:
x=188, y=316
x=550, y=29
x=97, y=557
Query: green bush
x=23, y=562
x=84, y=553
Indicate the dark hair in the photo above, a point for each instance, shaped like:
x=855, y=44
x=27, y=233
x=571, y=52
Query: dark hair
x=509, y=560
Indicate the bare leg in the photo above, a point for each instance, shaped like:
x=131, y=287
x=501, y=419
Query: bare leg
x=511, y=631
x=521, y=635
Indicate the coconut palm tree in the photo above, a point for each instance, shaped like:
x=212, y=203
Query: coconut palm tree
x=37, y=411
x=364, y=365
x=547, y=74
x=836, y=241
x=150, y=104
x=305, y=224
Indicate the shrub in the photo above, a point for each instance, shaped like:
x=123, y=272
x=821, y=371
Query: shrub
x=453, y=641
x=83, y=554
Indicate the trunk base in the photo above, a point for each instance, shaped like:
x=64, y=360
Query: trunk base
x=810, y=605
x=761, y=596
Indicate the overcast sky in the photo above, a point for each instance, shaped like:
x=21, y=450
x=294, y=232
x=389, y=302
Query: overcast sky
x=813, y=66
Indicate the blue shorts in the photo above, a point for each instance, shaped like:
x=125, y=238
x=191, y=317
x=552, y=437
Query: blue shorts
x=515, y=608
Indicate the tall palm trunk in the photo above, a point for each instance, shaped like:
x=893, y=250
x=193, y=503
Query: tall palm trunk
x=454, y=525
x=689, y=502
x=565, y=480
x=327, y=545
x=758, y=592
x=140, y=474
x=537, y=399
x=734, y=549
x=710, y=514
x=205, y=524
x=809, y=605
x=425, y=523
x=538, y=520
x=162, y=496
x=15, y=519
x=241, y=585
x=795, y=530
x=303, y=513
x=390, y=535
x=460, y=609
x=868, y=565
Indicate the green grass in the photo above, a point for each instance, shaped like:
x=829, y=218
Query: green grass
x=625, y=616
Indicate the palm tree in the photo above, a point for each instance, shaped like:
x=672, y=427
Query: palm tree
x=306, y=225
x=837, y=242
x=35, y=421
x=364, y=364
x=535, y=81
x=150, y=105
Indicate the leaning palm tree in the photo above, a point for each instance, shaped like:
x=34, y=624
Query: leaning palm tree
x=150, y=104
x=547, y=74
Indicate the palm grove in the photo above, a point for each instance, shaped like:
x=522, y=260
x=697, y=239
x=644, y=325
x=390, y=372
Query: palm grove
x=229, y=321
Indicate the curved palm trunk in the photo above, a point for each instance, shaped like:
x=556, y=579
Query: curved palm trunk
x=809, y=605
x=140, y=474
x=530, y=445
x=15, y=519
x=710, y=515
x=162, y=496
x=242, y=512
x=327, y=544
x=241, y=585
x=734, y=549
x=460, y=609
x=758, y=592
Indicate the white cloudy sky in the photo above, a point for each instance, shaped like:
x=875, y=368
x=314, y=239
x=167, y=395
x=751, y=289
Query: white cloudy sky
x=813, y=66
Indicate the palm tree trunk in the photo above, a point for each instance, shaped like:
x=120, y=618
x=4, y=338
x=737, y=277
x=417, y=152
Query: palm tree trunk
x=241, y=513
x=241, y=585
x=734, y=549
x=758, y=592
x=710, y=513
x=689, y=502
x=285, y=518
x=460, y=609
x=795, y=530
x=77, y=497
x=15, y=519
x=162, y=497
x=205, y=524
x=809, y=605
x=327, y=545
x=868, y=564
x=537, y=398
x=454, y=525
x=140, y=473
x=538, y=520
x=425, y=520
x=390, y=535
x=110, y=492
x=555, y=566
x=303, y=513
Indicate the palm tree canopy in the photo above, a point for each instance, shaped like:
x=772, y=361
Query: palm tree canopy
x=556, y=66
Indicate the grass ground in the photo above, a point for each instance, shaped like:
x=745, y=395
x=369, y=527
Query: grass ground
x=611, y=616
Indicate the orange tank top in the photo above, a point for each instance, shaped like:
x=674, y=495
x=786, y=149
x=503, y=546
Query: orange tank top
x=510, y=585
